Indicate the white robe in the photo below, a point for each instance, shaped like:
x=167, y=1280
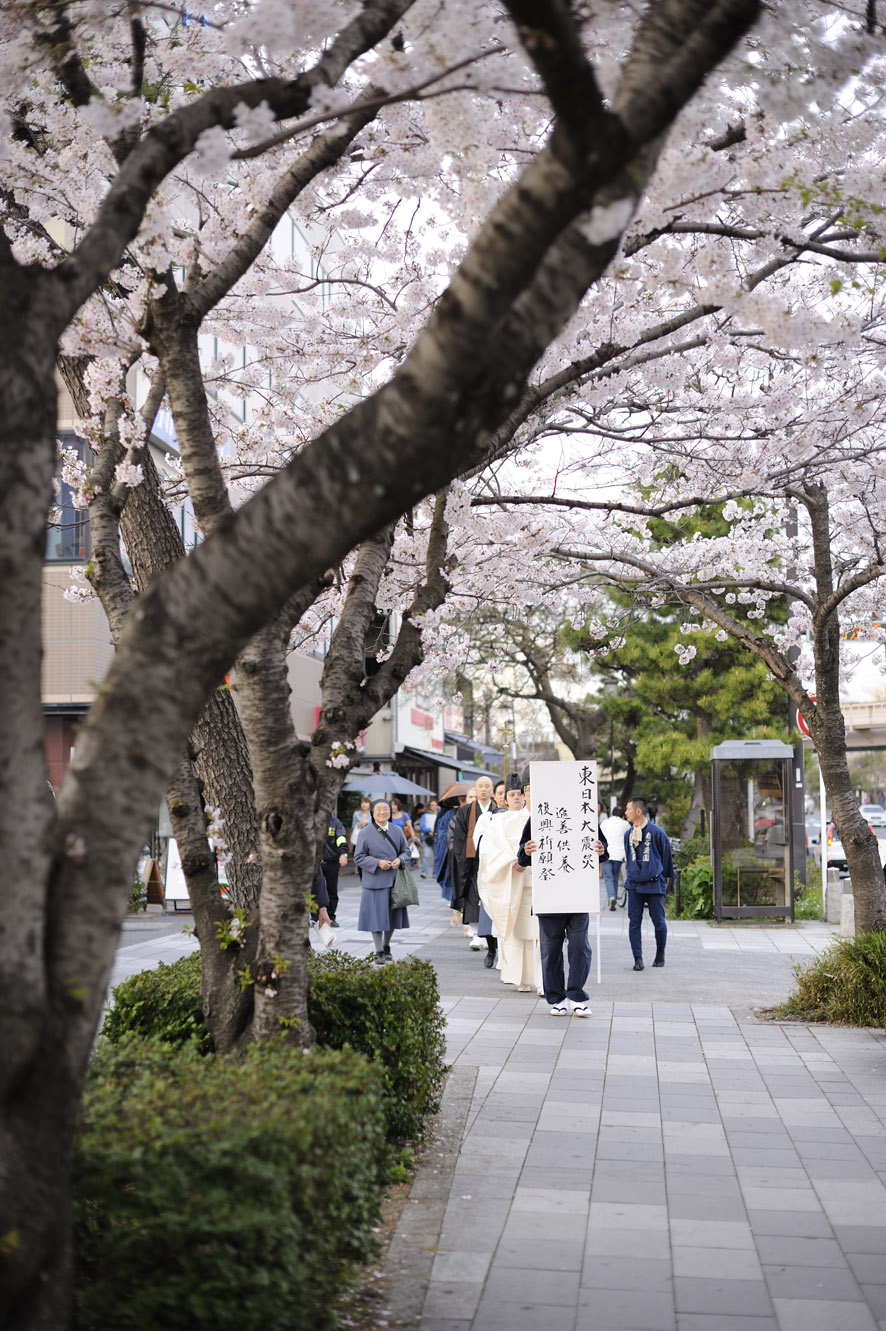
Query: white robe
x=507, y=895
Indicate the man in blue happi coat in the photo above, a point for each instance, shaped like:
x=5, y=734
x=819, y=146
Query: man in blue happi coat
x=648, y=868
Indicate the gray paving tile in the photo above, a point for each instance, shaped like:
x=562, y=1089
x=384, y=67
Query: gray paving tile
x=629, y=1190
x=549, y=1176
x=456, y=1299
x=861, y=1238
x=777, y=1156
x=632, y=1310
x=738, y=1297
x=630, y=1169
x=847, y=1151
x=721, y=1322
x=494, y=1315
x=836, y=1283
x=603, y=1241
x=807, y=1132
x=560, y=1151
x=532, y=1286
x=765, y=1141
x=652, y=1275
x=444, y=1324
x=823, y=1315
x=797, y=1224
x=526, y=1108
x=493, y=1186
x=869, y=1268
x=853, y=1201
x=554, y=1254
x=840, y=1169
x=461, y=1266
x=713, y=1182
x=875, y=1297
x=563, y=1205
x=780, y=1250
x=729, y=1234
x=619, y=1150
x=717, y=1263
x=698, y=1206
x=683, y=1111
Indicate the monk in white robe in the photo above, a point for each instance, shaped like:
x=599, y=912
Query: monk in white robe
x=506, y=893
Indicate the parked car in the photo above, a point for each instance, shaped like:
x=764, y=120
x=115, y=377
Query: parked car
x=875, y=813
x=836, y=858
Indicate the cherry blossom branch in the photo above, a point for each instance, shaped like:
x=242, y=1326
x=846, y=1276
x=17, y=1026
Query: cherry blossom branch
x=369, y=105
x=677, y=590
x=168, y=143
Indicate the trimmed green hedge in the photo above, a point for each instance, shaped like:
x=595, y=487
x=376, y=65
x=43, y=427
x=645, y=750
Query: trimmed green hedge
x=390, y=1013
x=164, y=1002
x=846, y=985
x=232, y=1194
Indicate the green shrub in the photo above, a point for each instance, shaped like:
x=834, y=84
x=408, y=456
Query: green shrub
x=221, y=1193
x=138, y=895
x=699, y=847
x=390, y=1013
x=164, y=1002
x=845, y=985
x=808, y=903
x=697, y=890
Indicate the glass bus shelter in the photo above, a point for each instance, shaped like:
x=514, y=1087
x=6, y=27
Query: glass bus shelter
x=751, y=829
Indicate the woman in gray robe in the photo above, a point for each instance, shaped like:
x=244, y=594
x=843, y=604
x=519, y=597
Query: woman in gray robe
x=381, y=850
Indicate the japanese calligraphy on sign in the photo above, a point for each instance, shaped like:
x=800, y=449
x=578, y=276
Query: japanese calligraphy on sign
x=565, y=867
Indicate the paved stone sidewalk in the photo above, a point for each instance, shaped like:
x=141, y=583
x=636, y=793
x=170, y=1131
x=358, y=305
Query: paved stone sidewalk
x=662, y=1166
x=670, y=1164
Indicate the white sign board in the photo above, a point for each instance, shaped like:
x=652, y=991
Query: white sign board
x=176, y=886
x=565, y=867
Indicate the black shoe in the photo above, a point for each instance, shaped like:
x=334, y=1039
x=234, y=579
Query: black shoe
x=659, y=959
x=489, y=959
x=333, y=923
x=612, y=903
x=638, y=964
x=379, y=958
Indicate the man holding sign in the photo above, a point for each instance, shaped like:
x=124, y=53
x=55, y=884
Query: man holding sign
x=566, y=884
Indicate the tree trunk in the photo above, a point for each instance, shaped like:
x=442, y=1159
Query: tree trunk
x=862, y=853
x=38, y=1089
x=696, y=804
x=828, y=728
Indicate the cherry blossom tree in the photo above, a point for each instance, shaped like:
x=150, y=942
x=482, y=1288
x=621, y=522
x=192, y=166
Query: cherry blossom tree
x=538, y=231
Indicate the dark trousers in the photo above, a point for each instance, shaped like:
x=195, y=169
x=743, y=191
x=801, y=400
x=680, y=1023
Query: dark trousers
x=553, y=931
x=468, y=900
x=330, y=873
x=656, y=903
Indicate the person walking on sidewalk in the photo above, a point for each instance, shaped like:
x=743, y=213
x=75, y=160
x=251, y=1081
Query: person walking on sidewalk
x=561, y=991
x=381, y=850
x=465, y=896
x=426, y=825
x=649, y=867
x=613, y=829
x=335, y=857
